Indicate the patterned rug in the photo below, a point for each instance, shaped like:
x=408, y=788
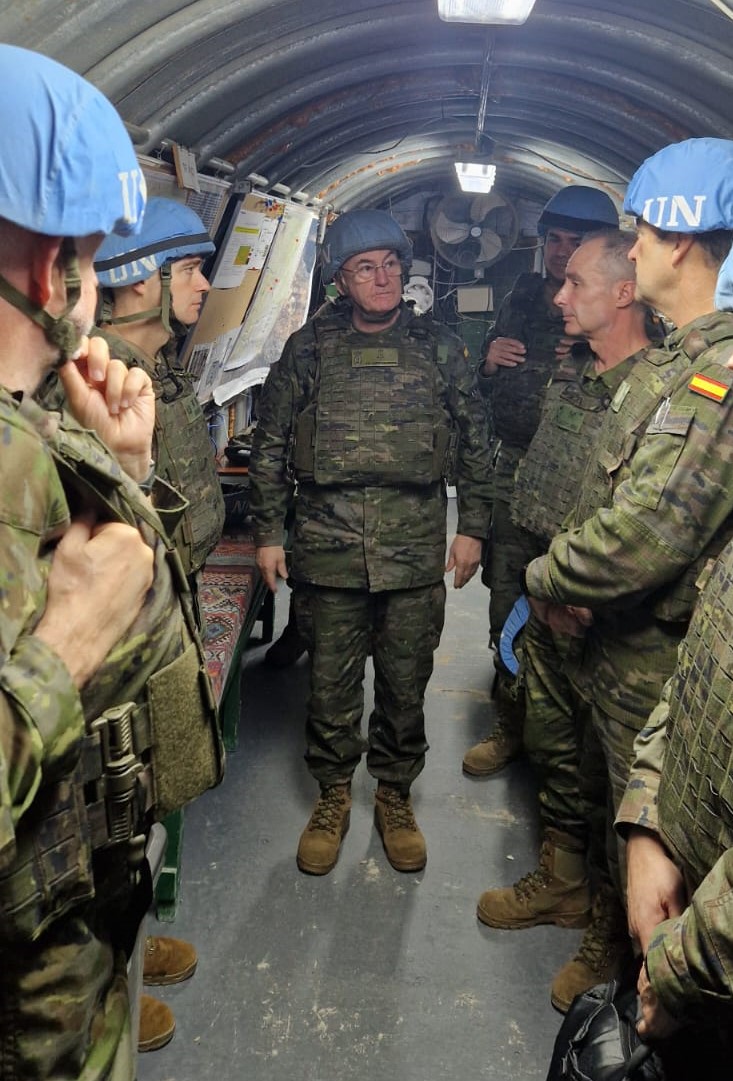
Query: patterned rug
x=227, y=584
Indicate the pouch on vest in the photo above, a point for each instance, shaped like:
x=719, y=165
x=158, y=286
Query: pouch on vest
x=186, y=758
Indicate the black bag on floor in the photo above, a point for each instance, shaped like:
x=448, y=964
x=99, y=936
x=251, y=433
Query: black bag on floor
x=598, y=1040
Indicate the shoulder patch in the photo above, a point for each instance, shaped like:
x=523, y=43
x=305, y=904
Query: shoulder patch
x=709, y=388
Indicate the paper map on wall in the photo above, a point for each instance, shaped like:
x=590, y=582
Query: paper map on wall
x=279, y=306
x=247, y=245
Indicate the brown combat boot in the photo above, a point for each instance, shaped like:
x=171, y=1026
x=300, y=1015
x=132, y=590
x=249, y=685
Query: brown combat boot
x=157, y=1024
x=167, y=960
x=404, y=844
x=556, y=892
x=496, y=751
x=604, y=953
x=321, y=839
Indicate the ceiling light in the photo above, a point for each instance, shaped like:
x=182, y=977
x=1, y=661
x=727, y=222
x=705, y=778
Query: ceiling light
x=511, y=12
x=473, y=176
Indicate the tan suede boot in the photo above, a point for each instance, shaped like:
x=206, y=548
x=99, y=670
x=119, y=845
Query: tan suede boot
x=556, y=892
x=604, y=953
x=404, y=844
x=168, y=960
x=496, y=751
x=504, y=743
x=320, y=841
x=157, y=1024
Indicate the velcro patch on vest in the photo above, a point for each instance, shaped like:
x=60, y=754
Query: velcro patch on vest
x=620, y=395
x=375, y=358
x=709, y=388
x=569, y=418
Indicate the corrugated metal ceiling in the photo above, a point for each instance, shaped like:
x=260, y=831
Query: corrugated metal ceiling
x=363, y=103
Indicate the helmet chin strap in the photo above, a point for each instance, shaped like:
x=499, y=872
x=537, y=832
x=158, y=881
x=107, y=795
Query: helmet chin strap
x=173, y=326
x=59, y=330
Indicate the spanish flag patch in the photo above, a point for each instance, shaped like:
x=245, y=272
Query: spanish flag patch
x=709, y=388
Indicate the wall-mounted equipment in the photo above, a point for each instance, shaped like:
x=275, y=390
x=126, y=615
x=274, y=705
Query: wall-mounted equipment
x=473, y=231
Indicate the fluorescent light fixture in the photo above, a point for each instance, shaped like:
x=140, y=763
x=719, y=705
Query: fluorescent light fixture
x=258, y=181
x=511, y=12
x=473, y=176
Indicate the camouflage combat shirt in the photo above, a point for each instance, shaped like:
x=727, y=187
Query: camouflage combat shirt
x=681, y=787
x=515, y=395
x=656, y=502
x=374, y=537
x=42, y=714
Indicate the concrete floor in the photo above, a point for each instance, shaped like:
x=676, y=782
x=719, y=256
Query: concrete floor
x=366, y=973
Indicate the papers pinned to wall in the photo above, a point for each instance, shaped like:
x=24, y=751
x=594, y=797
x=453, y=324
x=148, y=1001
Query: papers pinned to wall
x=249, y=240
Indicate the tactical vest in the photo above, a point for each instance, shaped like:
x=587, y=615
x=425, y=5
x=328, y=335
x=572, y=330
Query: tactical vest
x=183, y=452
x=375, y=414
x=517, y=393
x=696, y=790
x=153, y=743
x=638, y=402
x=547, y=478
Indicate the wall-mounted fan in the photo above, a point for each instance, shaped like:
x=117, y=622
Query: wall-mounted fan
x=473, y=231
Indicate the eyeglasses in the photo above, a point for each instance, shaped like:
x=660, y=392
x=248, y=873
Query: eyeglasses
x=367, y=272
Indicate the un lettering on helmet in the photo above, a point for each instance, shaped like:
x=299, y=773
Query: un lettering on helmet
x=686, y=187
x=670, y=207
x=137, y=270
x=134, y=195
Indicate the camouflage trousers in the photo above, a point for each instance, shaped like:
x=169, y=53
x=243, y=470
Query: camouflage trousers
x=562, y=744
x=401, y=629
x=64, y=1010
x=507, y=552
x=627, y=665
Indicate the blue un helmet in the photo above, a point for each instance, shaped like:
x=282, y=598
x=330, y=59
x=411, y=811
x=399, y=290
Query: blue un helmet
x=685, y=187
x=170, y=231
x=356, y=231
x=578, y=209
x=67, y=169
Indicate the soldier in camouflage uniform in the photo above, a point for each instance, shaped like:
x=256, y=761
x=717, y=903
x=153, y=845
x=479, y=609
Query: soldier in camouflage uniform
x=370, y=409
x=102, y=677
x=597, y=301
x=152, y=291
x=657, y=497
x=677, y=815
x=522, y=349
